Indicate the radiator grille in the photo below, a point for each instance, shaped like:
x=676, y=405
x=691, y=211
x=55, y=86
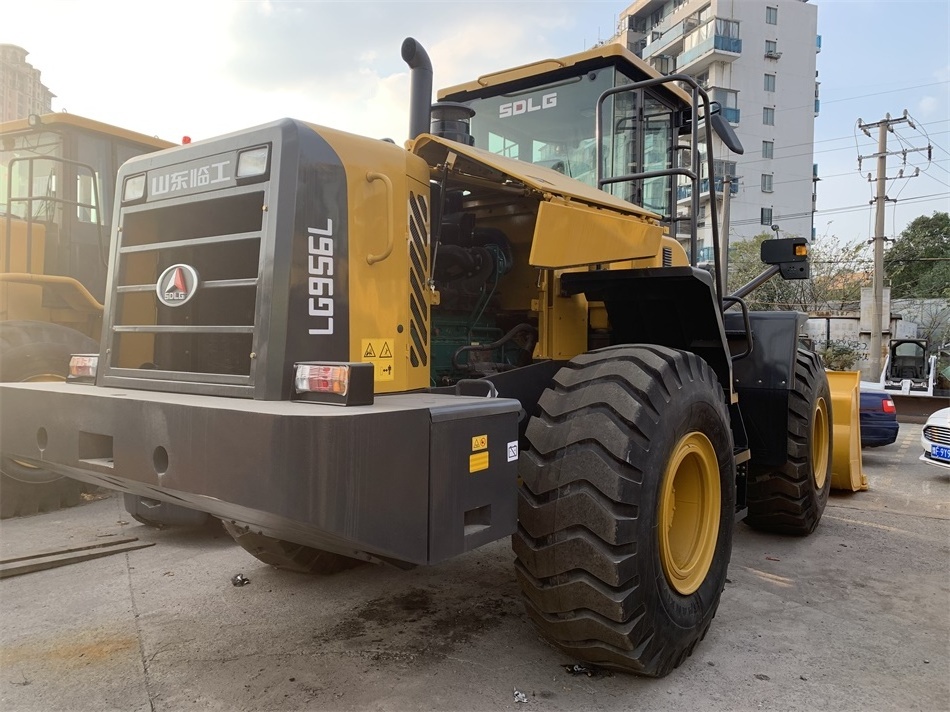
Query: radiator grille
x=210, y=338
x=418, y=275
x=937, y=434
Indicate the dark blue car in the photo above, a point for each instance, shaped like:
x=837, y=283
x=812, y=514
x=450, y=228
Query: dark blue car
x=878, y=419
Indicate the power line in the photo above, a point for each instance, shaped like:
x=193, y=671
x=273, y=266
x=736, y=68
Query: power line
x=838, y=211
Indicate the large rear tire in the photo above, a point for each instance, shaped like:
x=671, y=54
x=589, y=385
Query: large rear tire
x=626, y=507
x=790, y=499
x=37, y=351
x=287, y=555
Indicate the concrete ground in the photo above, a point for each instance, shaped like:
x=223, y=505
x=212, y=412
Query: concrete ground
x=855, y=617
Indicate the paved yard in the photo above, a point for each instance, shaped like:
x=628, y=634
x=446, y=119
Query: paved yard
x=855, y=617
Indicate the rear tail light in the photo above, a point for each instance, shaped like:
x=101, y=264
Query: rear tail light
x=339, y=383
x=82, y=368
x=322, y=379
x=888, y=405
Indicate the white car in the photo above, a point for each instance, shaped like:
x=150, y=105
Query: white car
x=936, y=439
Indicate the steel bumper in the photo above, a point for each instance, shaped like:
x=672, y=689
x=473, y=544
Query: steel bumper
x=405, y=479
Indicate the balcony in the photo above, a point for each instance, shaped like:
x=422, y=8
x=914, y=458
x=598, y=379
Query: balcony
x=684, y=192
x=666, y=41
x=730, y=115
x=817, y=106
x=716, y=48
x=817, y=44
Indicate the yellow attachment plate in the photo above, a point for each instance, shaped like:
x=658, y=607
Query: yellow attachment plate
x=846, y=471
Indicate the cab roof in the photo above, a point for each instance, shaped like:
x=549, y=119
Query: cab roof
x=605, y=55
x=62, y=120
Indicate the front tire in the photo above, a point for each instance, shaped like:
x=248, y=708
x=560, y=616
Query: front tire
x=32, y=351
x=626, y=507
x=791, y=499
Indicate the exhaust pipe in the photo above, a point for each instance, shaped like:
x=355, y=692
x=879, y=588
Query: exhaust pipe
x=420, y=91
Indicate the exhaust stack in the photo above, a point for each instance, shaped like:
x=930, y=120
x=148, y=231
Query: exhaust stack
x=420, y=92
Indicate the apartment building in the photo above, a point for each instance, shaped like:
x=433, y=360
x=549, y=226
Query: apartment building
x=21, y=91
x=757, y=59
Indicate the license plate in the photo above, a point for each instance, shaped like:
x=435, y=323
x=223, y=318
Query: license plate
x=940, y=452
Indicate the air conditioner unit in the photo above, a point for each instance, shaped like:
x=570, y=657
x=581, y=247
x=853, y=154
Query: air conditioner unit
x=773, y=55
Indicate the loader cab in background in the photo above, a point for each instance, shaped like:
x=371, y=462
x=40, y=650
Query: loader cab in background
x=907, y=362
x=57, y=186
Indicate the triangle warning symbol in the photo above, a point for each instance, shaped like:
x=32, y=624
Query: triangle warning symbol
x=385, y=352
x=369, y=353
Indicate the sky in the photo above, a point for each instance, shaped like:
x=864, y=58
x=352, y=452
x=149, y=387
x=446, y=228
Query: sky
x=207, y=67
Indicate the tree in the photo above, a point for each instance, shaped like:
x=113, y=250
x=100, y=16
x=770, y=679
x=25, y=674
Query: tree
x=837, y=274
x=918, y=263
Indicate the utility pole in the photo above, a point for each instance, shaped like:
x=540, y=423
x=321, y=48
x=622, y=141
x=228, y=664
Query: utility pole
x=877, y=307
x=724, y=234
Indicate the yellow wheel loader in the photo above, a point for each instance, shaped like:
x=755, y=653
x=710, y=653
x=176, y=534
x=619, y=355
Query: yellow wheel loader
x=352, y=351
x=57, y=182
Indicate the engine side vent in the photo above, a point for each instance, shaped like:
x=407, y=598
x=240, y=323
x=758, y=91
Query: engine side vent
x=418, y=278
x=667, y=257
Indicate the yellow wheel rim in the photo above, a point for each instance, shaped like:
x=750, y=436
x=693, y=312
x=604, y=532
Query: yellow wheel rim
x=690, y=499
x=819, y=442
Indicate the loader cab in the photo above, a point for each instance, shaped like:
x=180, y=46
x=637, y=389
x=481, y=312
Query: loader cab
x=545, y=113
x=57, y=184
x=907, y=361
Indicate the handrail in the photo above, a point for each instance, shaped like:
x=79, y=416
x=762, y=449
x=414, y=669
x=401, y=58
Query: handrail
x=391, y=239
x=693, y=173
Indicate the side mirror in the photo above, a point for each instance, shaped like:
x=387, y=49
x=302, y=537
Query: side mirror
x=724, y=131
x=682, y=120
x=790, y=254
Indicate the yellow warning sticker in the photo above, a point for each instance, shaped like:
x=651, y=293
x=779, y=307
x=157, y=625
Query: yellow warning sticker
x=478, y=462
x=379, y=352
x=479, y=442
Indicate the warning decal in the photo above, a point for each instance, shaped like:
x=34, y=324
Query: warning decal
x=379, y=352
x=478, y=462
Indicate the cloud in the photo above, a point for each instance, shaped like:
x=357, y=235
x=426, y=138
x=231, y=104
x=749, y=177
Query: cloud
x=341, y=64
x=928, y=107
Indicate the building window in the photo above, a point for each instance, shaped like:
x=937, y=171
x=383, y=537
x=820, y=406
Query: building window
x=766, y=182
x=724, y=168
x=769, y=82
x=768, y=116
x=765, y=216
x=768, y=149
x=727, y=28
x=771, y=48
x=771, y=15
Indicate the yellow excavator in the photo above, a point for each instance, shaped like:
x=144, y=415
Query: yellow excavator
x=353, y=351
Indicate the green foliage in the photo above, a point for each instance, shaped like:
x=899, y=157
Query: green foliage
x=838, y=358
x=918, y=262
x=837, y=274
